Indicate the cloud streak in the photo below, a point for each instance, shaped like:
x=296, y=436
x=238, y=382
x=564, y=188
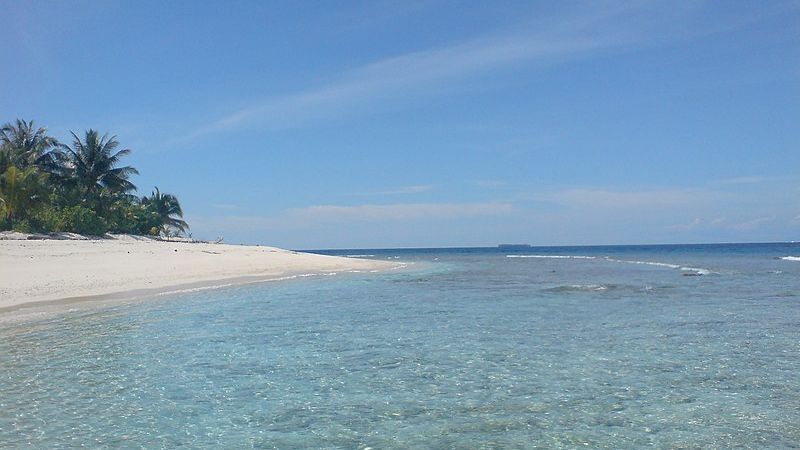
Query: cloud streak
x=320, y=215
x=753, y=224
x=696, y=222
x=605, y=199
x=408, y=211
x=582, y=215
x=558, y=40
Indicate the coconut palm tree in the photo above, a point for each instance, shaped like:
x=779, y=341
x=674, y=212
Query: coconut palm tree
x=5, y=159
x=24, y=145
x=92, y=166
x=21, y=190
x=168, y=209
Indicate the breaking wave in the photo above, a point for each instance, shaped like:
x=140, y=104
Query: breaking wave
x=581, y=288
x=552, y=256
x=689, y=270
x=600, y=288
x=647, y=263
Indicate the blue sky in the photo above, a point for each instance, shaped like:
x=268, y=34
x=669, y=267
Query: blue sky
x=432, y=123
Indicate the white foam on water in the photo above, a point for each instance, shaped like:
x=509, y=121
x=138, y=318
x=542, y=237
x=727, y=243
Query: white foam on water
x=695, y=270
x=647, y=263
x=790, y=258
x=552, y=256
x=193, y=289
x=581, y=288
x=590, y=287
x=359, y=256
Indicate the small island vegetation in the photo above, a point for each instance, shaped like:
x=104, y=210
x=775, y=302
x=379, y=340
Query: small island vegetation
x=83, y=187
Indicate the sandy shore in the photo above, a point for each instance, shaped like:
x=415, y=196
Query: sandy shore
x=46, y=271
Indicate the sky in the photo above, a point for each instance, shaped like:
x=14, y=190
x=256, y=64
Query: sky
x=363, y=124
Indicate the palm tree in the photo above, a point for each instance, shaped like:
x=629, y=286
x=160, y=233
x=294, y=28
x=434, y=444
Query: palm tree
x=23, y=145
x=166, y=206
x=92, y=166
x=21, y=190
x=5, y=159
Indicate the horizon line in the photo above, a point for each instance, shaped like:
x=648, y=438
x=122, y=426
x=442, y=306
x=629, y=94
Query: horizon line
x=542, y=246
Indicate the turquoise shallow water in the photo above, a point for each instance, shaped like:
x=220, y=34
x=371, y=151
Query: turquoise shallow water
x=614, y=347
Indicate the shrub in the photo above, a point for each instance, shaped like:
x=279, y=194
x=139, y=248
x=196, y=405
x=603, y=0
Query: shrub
x=82, y=220
x=5, y=224
x=46, y=219
x=131, y=218
x=21, y=226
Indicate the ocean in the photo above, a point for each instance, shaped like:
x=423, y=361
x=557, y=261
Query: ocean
x=673, y=346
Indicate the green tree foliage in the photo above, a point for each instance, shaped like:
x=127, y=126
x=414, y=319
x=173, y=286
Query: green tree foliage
x=92, y=166
x=168, y=211
x=24, y=145
x=82, y=188
x=131, y=215
x=82, y=220
x=5, y=158
x=21, y=190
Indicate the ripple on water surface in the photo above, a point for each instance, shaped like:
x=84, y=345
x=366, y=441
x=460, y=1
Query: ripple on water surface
x=469, y=351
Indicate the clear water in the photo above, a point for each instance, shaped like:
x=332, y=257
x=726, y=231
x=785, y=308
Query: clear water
x=468, y=349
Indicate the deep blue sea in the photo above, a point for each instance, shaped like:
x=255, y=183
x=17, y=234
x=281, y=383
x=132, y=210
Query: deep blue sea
x=561, y=347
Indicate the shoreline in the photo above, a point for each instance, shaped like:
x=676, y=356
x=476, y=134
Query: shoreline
x=145, y=294
x=50, y=273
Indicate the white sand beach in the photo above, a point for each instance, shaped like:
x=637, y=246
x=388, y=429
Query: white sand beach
x=46, y=271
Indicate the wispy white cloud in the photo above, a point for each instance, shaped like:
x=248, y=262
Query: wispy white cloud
x=318, y=215
x=594, y=29
x=406, y=211
x=753, y=224
x=401, y=75
x=570, y=215
x=752, y=179
x=702, y=210
x=696, y=222
x=607, y=199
